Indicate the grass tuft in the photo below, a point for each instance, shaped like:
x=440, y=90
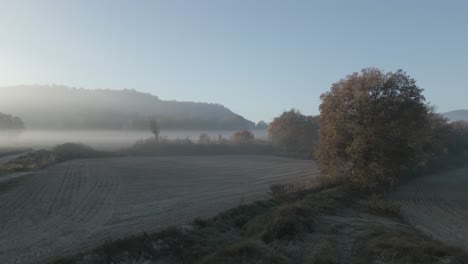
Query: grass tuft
x=381, y=206
x=408, y=247
x=284, y=222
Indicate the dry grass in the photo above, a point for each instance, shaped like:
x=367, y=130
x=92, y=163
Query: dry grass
x=324, y=249
x=287, y=221
x=380, y=205
x=280, y=191
x=32, y=161
x=246, y=252
x=40, y=159
x=407, y=247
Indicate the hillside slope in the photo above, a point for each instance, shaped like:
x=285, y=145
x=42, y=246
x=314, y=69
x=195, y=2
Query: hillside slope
x=61, y=107
x=457, y=115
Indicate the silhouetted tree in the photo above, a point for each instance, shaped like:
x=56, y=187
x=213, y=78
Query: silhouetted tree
x=154, y=126
x=373, y=127
x=294, y=132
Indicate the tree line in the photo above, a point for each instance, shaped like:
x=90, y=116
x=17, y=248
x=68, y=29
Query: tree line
x=10, y=123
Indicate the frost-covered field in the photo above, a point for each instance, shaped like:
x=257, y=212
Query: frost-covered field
x=438, y=205
x=79, y=204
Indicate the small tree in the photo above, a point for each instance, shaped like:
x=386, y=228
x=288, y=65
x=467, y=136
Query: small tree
x=243, y=137
x=154, y=126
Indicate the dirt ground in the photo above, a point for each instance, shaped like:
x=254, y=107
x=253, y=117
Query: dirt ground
x=78, y=205
x=438, y=205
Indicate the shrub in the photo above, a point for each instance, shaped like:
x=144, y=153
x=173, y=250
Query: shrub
x=243, y=137
x=186, y=147
x=69, y=151
x=284, y=222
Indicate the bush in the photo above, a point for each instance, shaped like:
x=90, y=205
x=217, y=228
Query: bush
x=69, y=151
x=284, y=222
x=32, y=161
x=40, y=159
x=186, y=147
x=243, y=137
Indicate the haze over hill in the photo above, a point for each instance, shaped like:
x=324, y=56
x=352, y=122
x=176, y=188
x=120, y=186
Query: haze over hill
x=65, y=108
x=457, y=115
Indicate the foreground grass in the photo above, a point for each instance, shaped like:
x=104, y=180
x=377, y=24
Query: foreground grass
x=321, y=225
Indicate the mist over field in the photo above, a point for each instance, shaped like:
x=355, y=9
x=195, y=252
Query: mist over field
x=106, y=139
x=38, y=116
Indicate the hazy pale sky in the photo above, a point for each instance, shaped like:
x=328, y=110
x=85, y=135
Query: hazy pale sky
x=255, y=57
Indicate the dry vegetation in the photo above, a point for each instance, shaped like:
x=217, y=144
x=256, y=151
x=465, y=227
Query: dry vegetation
x=206, y=146
x=40, y=159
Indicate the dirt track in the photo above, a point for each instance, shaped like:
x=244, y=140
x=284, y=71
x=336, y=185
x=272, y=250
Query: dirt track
x=77, y=205
x=438, y=205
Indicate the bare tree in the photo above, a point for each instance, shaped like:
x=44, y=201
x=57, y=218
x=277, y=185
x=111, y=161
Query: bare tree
x=154, y=126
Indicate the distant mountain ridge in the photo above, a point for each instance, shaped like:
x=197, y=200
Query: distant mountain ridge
x=457, y=115
x=62, y=107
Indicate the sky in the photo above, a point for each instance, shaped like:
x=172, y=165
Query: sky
x=257, y=58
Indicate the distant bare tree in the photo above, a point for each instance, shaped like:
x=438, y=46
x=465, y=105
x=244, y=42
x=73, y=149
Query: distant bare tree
x=154, y=126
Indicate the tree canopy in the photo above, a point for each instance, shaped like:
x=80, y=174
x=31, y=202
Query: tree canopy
x=294, y=132
x=373, y=126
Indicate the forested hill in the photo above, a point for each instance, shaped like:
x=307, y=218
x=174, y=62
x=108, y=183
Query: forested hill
x=60, y=107
x=457, y=115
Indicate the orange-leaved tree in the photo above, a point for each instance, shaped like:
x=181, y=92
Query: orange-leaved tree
x=373, y=127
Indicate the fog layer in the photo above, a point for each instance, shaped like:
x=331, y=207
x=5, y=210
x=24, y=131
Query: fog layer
x=104, y=139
